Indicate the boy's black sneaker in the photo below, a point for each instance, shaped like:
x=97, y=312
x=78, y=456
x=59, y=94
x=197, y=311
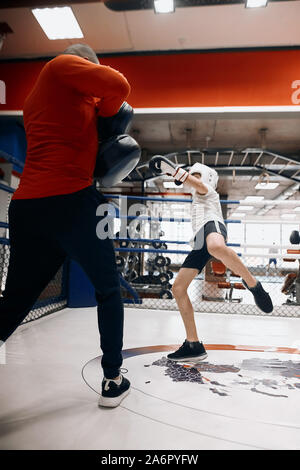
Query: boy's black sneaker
x=261, y=297
x=113, y=392
x=189, y=351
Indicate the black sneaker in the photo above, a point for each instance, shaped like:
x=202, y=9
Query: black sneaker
x=261, y=297
x=112, y=393
x=192, y=352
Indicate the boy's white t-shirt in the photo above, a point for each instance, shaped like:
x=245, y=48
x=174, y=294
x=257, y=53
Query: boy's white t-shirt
x=205, y=208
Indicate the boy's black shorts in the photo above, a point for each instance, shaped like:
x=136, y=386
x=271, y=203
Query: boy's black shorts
x=199, y=256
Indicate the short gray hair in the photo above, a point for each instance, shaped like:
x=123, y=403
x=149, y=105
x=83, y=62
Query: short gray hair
x=82, y=50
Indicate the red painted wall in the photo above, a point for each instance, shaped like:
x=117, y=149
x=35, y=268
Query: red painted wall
x=248, y=78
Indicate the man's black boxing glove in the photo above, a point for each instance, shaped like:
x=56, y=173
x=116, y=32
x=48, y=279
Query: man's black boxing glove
x=117, y=157
x=115, y=125
x=118, y=153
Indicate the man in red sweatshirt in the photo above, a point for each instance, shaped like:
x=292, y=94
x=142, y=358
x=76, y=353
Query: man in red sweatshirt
x=52, y=214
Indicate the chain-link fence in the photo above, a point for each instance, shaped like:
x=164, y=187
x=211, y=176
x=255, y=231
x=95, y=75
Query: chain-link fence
x=153, y=250
x=53, y=297
x=151, y=256
x=216, y=289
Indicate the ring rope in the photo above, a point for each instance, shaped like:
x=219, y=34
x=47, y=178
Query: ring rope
x=222, y=201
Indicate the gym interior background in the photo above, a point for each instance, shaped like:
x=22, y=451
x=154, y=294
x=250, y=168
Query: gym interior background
x=214, y=82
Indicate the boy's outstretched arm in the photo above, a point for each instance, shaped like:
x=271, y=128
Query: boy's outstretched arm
x=161, y=165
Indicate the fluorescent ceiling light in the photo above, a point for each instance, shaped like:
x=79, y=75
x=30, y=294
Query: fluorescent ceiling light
x=266, y=185
x=58, y=22
x=254, y=198
x=170, y=185
x=238, y=214
x=256, y=3
x=164, y=6
x=288, y=216
x=245, y=208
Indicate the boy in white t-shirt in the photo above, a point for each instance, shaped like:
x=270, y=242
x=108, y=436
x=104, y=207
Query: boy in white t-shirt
x=209, y=240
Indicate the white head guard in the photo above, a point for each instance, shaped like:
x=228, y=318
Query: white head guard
x=208, y=175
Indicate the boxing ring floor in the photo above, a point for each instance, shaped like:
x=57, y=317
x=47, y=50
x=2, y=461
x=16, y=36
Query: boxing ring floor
x=244, y=396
